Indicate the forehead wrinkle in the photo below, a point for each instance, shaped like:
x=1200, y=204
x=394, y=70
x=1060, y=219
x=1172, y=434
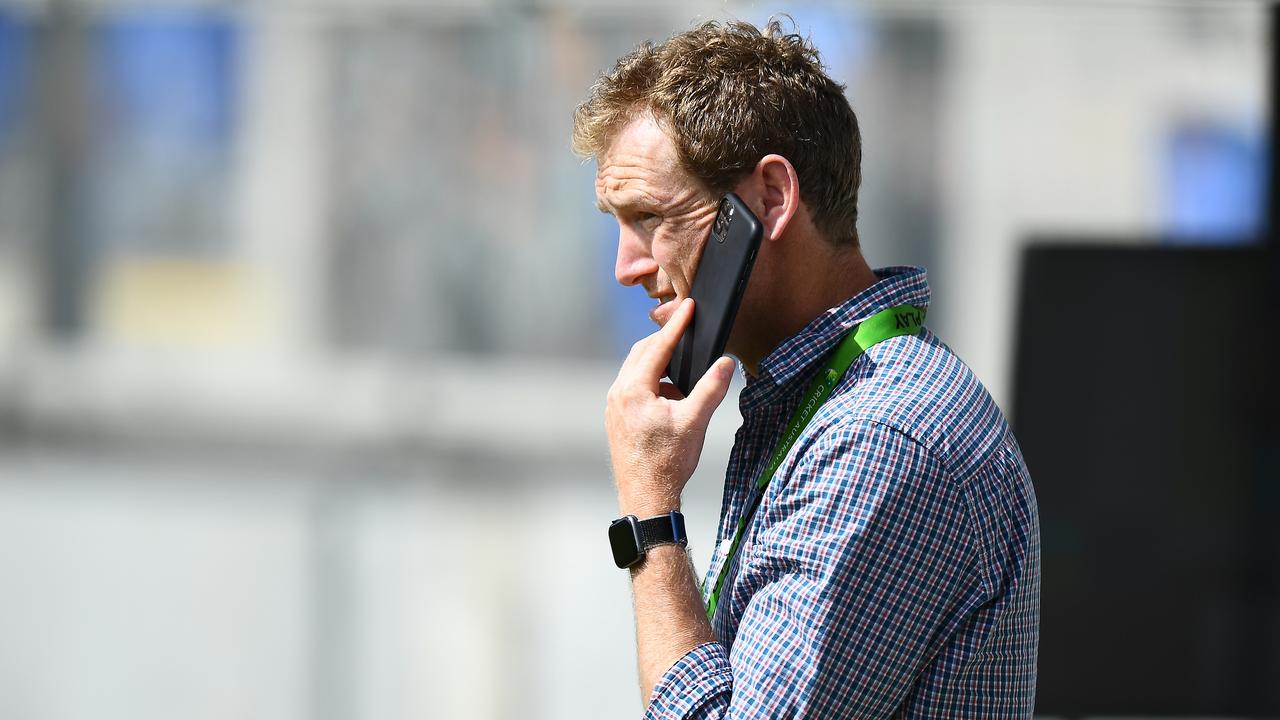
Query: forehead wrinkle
x=623, y=172
x=637, y=192
x=640, y=170
x=617, y=190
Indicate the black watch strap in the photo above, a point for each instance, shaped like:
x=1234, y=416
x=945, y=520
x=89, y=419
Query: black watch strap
x=663, y=530
x=630, y=538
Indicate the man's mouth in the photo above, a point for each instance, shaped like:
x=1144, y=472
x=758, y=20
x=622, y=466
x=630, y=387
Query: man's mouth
x=666, y=306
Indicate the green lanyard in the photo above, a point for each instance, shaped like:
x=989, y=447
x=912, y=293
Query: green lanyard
x=895, y=321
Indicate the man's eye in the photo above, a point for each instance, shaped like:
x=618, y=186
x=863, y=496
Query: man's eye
x=647, y=218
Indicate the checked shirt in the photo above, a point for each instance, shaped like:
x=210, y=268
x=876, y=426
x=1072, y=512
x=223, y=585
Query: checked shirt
x=892, y=569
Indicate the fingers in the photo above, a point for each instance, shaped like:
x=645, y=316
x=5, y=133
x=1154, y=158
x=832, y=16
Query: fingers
x=650, y=356
x=711, y=389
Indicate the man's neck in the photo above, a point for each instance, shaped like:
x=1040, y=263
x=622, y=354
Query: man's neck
x=807, y=290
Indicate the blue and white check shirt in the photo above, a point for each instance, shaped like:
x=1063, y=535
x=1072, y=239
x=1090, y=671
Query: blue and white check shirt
x=892, y=569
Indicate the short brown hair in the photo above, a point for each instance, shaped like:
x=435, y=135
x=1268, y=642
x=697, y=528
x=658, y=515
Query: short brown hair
x=728, y=94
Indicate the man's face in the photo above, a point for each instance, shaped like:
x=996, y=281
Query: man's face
x=664, y=215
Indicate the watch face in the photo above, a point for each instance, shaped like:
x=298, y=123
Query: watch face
x=624, y=538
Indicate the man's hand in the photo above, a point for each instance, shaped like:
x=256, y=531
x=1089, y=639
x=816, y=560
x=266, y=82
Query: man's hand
x=655, y=433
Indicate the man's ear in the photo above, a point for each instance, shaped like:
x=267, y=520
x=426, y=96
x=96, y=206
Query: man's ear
x=772, y=191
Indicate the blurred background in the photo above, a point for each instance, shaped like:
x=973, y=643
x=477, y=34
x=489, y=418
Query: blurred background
x=307, y=318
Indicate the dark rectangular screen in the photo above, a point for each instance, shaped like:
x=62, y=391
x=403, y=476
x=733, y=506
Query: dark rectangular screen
x=1142, y=405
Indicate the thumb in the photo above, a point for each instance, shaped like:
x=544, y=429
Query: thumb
x=707, y=395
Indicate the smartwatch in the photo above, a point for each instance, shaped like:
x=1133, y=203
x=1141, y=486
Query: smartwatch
x=631, y=538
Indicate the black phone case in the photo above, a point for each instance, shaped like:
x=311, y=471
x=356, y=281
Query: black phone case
x=727, y=258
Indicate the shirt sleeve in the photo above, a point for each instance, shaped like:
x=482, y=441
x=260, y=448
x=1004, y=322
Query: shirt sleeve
x=697, y=686
x=859, y=567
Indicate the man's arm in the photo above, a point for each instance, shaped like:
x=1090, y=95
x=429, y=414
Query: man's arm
x=670, y=617
x=860, y=566
x=655, y=441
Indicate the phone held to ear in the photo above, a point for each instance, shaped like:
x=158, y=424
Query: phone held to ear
x=727, y=258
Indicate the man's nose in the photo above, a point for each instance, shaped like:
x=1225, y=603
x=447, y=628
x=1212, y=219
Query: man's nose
x=634, y=259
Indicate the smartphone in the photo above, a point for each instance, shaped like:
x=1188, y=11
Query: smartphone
x=721, y=278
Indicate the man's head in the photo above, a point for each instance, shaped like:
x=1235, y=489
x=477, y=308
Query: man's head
x=727, y=95
x=728, y=107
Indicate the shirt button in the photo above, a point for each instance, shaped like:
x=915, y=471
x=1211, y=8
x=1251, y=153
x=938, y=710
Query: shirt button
x=723, y=548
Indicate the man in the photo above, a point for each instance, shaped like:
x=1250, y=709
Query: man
x=888, y=564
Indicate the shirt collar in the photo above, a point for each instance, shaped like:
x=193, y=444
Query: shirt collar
x=897, y=286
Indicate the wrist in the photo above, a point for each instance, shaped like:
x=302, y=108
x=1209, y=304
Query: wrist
x=649, y=506
x=644, y=491
x=662, y=558
x=631, y=538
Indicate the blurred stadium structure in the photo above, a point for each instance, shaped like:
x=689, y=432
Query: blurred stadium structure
x=306, y=316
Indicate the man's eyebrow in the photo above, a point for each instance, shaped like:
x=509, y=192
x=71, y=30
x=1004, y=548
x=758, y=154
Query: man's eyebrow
x=629, y=204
